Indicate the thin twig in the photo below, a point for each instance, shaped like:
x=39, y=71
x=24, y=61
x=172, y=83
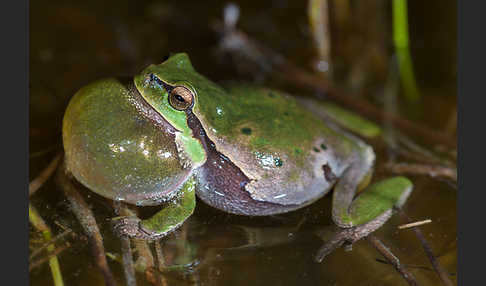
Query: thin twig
x=145, y=261
x=44, y=151
x=160, y=256
x=86, y=218
x=53, y=254
x=128, y=261
x=414, y=224
x=420, y=169
x=146, y=264
x=416, y=152
x=392, y=259
x=51, y=242
x=428, y=251
x=161, y=264
x=421, y=267
x=39, y=224
x=35, y=184
x=127, y=258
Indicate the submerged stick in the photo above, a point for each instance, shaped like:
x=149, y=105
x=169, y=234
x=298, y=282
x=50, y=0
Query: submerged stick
x=161, y=264
x=128, y=261
x=86, y=218
x=428, y=251
x=145, y=260
x=35, y=184
x=126, y=249
x=421, y=169
x=421, y=267
x=392, y=259
x=52, y=254
x=51, y=242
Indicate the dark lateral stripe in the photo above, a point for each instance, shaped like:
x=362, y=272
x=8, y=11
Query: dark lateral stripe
x=221, y=183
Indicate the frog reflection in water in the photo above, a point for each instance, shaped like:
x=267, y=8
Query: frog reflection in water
x=170, y=134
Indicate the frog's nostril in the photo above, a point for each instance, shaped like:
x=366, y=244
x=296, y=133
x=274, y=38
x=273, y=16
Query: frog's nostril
x=246, y=130
x=153, y=78
x=165, y=58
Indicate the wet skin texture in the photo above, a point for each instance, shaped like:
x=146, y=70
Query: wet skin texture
x=249, y=150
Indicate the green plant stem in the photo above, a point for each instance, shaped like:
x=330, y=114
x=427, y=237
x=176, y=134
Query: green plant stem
x=39, y=224
x=400, y=40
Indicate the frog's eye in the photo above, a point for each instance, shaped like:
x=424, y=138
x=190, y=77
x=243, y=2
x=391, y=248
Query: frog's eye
x=180, y=98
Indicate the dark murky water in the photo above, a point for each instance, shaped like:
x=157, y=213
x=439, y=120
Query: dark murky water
x=73, y=43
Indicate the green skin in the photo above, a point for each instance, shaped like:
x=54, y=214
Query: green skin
x=289, y=154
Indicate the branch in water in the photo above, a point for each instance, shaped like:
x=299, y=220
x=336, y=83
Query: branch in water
x=86, y=218
x=238, y=43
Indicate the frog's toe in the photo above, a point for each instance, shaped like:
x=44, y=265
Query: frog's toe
x=346, y=237
x=126, y=226
x=132, y=227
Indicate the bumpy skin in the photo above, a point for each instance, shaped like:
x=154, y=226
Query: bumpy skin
x=250, y=150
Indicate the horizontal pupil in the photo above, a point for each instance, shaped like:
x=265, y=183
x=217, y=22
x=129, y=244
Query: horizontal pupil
x=179, y=98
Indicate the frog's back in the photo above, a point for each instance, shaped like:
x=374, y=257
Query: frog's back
x=288, y=154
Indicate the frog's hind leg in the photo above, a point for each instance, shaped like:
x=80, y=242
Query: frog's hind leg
x=360, y=216
x=376, y=202
x=171, y=217
x=377, y=199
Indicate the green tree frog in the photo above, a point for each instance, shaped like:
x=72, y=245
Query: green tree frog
x=169, y=134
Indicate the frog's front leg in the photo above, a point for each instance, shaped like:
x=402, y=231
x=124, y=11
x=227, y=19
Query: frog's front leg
x=163, y=222
x=374, y=205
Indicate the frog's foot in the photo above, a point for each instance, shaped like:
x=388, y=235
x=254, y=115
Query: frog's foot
x=348, y=236
x=368, y=212
x=170, y=218
x=133, y=228
x=368, y=208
